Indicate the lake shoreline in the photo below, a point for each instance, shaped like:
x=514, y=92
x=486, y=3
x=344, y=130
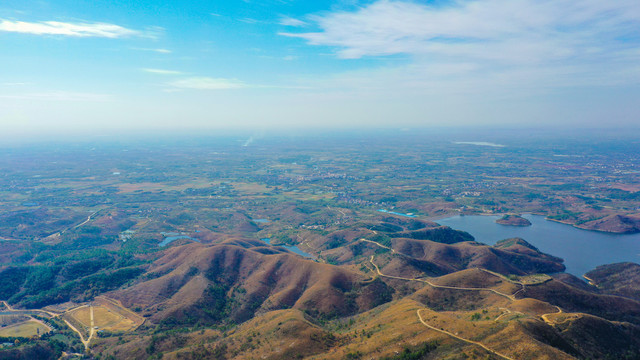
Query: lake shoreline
x=582, y=249
x=546, y=216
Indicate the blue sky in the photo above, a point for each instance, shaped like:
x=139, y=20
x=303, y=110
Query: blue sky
x=92, y=66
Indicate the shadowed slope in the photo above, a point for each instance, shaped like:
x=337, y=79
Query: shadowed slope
x=434, y=258
x=619, y=279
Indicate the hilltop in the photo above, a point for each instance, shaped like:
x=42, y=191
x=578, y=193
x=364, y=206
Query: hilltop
x=513, y=220
x=231, y=282
x=621, y=224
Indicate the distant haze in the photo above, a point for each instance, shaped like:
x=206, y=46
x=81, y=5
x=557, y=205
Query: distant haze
x=155, y=65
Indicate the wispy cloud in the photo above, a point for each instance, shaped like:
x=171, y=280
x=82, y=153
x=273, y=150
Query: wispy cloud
x=81, y=29
x=163, y=71
x=247, y=20
x=502, y=46
x=159, y=50
x=288, y=21
x=207, y=83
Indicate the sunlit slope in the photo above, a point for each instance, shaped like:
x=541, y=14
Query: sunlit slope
x=211, y=284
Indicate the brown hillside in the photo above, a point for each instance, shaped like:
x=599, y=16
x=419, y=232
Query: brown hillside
x=621, y=224
x=439, y=299
x=441, y=234
x=598, y=338
x=433, y=258
x=513, y=220
x=520, y=246
x=573, y=299
x=618, y=279
x=396, y=224
x=532, y=306
x=203, y=283
x=112, y=222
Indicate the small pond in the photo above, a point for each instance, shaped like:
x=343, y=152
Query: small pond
x=171, y=237
x=293, y=249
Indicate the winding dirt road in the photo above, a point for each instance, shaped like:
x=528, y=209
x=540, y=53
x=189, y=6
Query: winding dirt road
x=53, y=315
x=545, y=317
x=460, y=338
x=508, y=296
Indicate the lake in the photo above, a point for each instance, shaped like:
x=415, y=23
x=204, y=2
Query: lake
x=582, y=250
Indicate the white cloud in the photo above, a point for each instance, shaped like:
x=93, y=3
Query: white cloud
x=163, y=72
x=287, y=21
x=207, y=83
x=511, y=31
x=67, y=29
x=482, y=49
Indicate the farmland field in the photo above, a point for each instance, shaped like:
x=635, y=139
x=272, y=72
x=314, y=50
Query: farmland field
x=105, y=317
x=7, y=320
x=26, y=329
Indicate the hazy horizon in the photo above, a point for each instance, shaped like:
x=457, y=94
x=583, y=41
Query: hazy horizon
x=205, y=67
x=248, y=137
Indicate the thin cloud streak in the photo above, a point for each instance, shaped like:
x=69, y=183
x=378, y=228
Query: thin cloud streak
x=163, y=72
x=159, y=51
x=288, y=21
x=103, y=30
x=207, y=83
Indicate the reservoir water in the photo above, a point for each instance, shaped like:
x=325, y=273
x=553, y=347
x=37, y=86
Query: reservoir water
x=293, y=249
x=582, y=250
x=171, y=237
x=261, y=221
x=397, y=213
